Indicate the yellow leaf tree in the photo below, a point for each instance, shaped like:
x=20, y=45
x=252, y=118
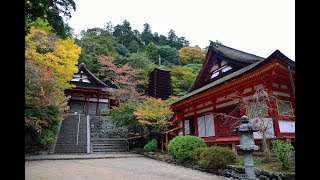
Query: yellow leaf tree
x=191, y=54
x=50, y=63
x=59, y=55
x=154, y=113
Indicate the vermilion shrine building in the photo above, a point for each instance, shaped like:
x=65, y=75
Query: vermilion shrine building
x=224, y=72
x=90, y=95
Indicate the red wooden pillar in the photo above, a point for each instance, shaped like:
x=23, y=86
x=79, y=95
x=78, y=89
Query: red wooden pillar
x=162, y=142
x=167, y=141
x=183, y=127
x=195, y=119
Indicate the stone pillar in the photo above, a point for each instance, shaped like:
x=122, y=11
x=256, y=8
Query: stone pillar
x=88, y=135
x=247, y=145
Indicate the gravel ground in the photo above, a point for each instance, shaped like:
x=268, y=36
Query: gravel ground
x=115, y=168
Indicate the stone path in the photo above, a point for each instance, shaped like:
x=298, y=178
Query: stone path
x=111, y=168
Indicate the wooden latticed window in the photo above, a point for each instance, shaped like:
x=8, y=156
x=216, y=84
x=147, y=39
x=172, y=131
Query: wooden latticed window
x=284, y=108
x=258, y=109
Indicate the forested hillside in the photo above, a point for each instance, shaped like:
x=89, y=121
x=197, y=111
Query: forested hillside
x=142, y=50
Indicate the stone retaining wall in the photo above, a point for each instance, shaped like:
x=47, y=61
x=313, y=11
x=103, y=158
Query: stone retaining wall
x=103, y=127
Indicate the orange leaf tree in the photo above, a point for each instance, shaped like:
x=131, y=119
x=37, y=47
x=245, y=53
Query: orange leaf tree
x=124, y=77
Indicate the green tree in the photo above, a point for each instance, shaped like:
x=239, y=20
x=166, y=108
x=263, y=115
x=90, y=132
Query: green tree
x=191, y=54
x=95, y=42
x=172, y=37
x=135, y=60
x=176, y=41
x=182, y=78
x=122, y=50
x=146, y=35
x=152, y=51
x=122, y=116
x=169, y=55
x=124, y=33
x=163, y=40
x=139, y=60
x=41, y=24
x=133, y=46
x=51, y=12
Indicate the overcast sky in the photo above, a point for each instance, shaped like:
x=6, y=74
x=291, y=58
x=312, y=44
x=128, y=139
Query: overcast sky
x=255, y=26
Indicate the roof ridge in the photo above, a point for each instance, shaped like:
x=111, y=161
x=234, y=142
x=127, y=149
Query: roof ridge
x=235, y=50
x=91, y=74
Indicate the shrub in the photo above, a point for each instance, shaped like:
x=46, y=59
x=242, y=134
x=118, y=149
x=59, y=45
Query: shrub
x=217, y=157
x=27, y=139
x=180, y=146
x=283, y=151
x=46, y=138
x=151, y=146
x=105, y=112
x=195, y=153
x=54, y=129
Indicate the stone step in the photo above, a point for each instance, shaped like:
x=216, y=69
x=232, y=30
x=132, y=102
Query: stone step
x=67, y=138
x=107, y=142
x=109, y=150
x=70, y=152
x=71, y=144
x=109, y=146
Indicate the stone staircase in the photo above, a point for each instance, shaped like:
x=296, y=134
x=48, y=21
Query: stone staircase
x=106, y=145
x=67, y=138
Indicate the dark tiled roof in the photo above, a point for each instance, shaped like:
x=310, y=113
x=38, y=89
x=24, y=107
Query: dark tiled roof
x=235, y=54
x=98, y=81
x=238, y=73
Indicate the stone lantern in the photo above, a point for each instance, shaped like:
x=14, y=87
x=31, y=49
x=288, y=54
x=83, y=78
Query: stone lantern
x=247, y=145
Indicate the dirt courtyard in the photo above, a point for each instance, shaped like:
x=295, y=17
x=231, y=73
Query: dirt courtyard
x=112, y=168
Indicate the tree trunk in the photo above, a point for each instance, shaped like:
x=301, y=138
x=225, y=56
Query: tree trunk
x=265, y=146
x=149, y=128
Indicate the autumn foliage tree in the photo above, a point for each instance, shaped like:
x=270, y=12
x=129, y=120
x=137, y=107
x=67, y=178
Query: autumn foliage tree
x=154, y=113
x=124, y=77
x=49, y=66
x=191, y=54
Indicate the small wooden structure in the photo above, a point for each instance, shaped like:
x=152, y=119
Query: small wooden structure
x=224, y=72
x=160, y=83
x=90, y=95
